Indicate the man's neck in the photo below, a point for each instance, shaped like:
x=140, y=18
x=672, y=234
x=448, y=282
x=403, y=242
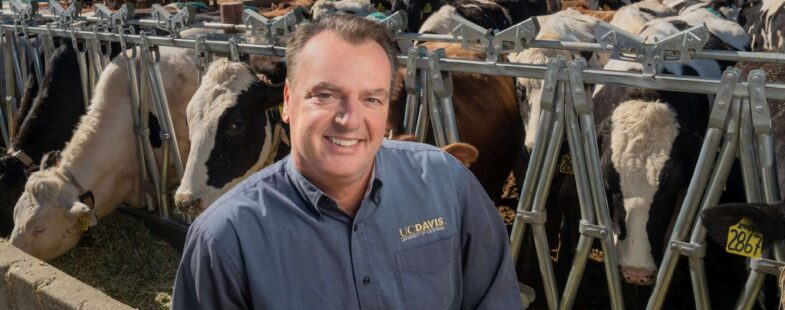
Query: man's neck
x=348, y=194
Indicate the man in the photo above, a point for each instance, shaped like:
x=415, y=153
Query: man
x=348, y=221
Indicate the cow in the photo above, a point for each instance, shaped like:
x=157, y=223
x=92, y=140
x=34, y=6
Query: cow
x=634, y=16
x=649, y=143
x=355, y=7
x=234, y=129
x=765, y=22
x=486, y=13
x=60, y=203
x=47, y=122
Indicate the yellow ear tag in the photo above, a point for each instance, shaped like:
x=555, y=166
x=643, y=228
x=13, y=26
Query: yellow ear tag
x=743, y=240
x=380, y=7
x=82, y=221
x=427, y=8
x=565, y=166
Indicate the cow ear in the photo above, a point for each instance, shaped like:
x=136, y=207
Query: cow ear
x=81, y=210
x=465, y=153
x=50, y=159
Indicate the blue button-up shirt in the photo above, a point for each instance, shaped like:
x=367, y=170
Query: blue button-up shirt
x=426, y=236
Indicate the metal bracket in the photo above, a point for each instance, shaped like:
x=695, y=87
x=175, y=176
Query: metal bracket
x=396, y=22
x=577, y=87
x=688, y=249
x=473, y=36
x=531, y=217
x=549, y=83
x=116, y=19
x=63, y=16
x=722, y=102
x=23, y=11
x=271, y=30
x=766, y=266
x=411, y=79
x=234, y=53
x=674, y=48
x=517, y=37
x=761, y=116
x=173, y=23
x=591, y=230
x=441, y=81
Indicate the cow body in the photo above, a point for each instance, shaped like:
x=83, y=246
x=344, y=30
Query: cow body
x=47, y=215
x=765, y=22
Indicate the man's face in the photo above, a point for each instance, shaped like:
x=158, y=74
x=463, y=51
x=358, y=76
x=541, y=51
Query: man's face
x=337, y=107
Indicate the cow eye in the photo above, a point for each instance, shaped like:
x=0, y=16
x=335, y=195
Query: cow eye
x=238, y=125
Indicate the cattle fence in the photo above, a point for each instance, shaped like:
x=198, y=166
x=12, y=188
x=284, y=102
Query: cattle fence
x=740, y=121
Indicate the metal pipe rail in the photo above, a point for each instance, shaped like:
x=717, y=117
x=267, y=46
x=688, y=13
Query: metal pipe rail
x=597, y=47
x=138, y=22
x=591, y=76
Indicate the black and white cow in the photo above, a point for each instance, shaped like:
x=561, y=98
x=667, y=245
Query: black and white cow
x=485, y=13
x=234, y=129
x=765, y=22
x=649, y=143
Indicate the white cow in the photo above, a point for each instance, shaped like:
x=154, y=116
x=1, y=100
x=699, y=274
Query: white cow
x=100, y=159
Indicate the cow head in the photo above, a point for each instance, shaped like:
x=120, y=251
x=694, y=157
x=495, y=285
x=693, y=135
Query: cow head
x=49, y=215
x=234, y=130
x=647, y=157
x=484, y=13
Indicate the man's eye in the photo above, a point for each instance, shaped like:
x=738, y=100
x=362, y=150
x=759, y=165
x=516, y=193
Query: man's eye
x=324, y=96
x=374, y=101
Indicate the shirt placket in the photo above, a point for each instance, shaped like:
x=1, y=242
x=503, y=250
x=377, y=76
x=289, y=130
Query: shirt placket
x=364, y=279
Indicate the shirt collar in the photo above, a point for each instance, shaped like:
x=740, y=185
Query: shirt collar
x=312, y=195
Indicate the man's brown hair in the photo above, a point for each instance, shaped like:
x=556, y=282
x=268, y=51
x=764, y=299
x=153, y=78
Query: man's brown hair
x=350, y=28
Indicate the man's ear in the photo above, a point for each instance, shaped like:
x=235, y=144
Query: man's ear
x=80, y=210
x=285, y=109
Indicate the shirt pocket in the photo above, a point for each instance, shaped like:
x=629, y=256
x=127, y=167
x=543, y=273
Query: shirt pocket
x=429, y=275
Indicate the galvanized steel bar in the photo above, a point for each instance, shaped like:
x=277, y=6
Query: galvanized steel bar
x=10, y=82
x=435, y=113
x=18, y=68
x=4, y=129
x=698, y=183
x=412, y=86
x=423, y=118
x=583, y=107
x=747, y=157
x=37, y=66
x=630, y=79
x=537, y=153
x=537, y=213
x=81, y=59
x=441, y=86
x=585, y=202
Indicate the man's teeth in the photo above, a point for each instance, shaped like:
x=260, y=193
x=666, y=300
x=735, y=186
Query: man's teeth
x=344, y=142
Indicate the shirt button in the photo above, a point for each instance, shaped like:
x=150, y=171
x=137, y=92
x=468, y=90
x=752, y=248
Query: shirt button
x=367, y=281
x=356, y=227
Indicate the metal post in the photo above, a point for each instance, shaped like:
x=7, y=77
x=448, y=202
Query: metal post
x=698, y=183
x=200, y=57
x=18, y=68
x=81, y=59
x=441, y=83
x=423, y=117
x=435, y=112
x=412, y=86
x=37, y=65
x=583, y=107
x=537, y=154
x=10, y=83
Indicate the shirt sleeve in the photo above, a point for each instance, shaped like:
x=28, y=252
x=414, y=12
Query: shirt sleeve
x=489, y=279
x=207, y=277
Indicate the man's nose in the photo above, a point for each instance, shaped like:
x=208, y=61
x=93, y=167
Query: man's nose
x=349, y=115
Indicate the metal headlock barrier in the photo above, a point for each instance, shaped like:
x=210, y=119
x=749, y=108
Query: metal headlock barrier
x=740, y=122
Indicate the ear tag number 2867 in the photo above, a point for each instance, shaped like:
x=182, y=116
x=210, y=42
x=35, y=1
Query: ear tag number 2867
x=743, y=240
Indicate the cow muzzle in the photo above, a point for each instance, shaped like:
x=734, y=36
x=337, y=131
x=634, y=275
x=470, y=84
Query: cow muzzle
x=188, y=204
x=638, y=275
